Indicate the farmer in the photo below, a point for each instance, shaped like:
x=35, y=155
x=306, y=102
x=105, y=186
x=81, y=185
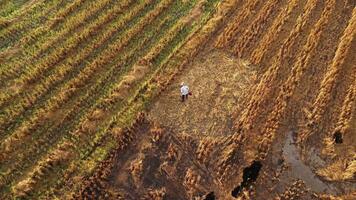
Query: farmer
x=184, y=90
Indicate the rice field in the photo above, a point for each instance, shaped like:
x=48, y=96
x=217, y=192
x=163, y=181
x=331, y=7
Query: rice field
x=88, y=105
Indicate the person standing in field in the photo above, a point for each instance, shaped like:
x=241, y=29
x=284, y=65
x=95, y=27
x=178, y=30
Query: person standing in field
x=184, y=90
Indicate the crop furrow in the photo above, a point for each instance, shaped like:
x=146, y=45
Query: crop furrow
x=108, y=126
x=38, y=14
x=229, y=33
x=7, y=7
x=40, y=68
x=260, y=24
x=74, y=111
x=328, y=84
x=18, y=14
x=69, y=64
x=268, y=80
x=62, y=94
x=42, y=55
x=289, y=12
x=42, y=13
x=344, y=120
x=104, y=101
x=287, y=89
x=145, y=94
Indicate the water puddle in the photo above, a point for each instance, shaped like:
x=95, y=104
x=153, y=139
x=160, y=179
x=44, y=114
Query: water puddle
x=302, y=171
x=249, y=176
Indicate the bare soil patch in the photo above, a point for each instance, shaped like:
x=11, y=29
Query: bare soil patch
x=219, y=83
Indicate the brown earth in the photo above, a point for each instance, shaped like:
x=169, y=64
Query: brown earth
x=262, y=131
x=219, y=84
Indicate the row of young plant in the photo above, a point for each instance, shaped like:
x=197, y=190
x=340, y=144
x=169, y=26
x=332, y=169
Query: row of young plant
x=29, y=103
x=11, y=30
x=53, y=46
x=102, y=173
x=52, y=13
x=161, y=34
x=16, y=14
x=73, y=114
x=158, y=54
x=55, y=21
x=8, y=7
x=152, y=87
x=28, y=27
x=69, y=117
x=102, y=102
x=85, y=94
x=85, y=145
x=15, y=29
x=86, y=75
x=55, y=24
x=97, y=88
x=68, y=64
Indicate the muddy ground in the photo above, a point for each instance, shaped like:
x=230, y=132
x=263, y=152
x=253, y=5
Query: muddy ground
x=266, y=130
x=187, y=150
